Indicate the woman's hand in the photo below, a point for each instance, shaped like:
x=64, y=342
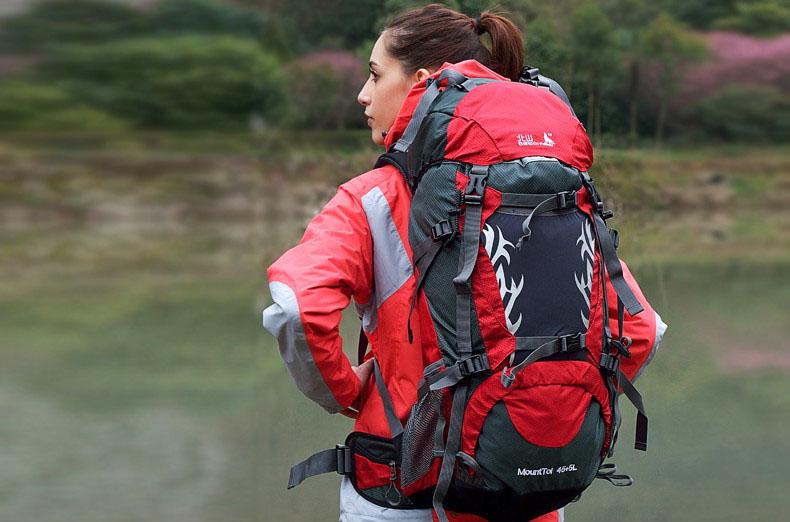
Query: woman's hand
x=363, y=372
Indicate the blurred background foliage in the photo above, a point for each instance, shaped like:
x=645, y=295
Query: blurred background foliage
x=636, y=71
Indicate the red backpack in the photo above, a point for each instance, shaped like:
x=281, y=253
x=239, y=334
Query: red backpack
x=518, y=269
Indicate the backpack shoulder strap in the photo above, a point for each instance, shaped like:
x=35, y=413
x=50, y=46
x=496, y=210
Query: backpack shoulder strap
x=398, y=160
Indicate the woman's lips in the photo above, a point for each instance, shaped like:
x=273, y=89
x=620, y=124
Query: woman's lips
x=370, y=121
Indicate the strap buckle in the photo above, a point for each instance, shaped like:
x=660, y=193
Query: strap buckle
x=529, y=75
x=473, y=199
x=476, y=186
x=610, y=363
x=566, y=199
x=475, y=364
x=507, y=377
x=571, y=343
x=623, y=344
x=441, y=230
x=343, y=454
x=599, y=207
x=615, y=237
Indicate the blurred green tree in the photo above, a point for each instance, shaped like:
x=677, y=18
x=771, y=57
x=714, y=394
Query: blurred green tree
x=179, y=82
x=172, y=17
x=631, y=18
x=698, y=14
x=546, y=49
x=324, y=24
x=51, y=23
x=27, y=106
x=765, y=17
x=747, y=113
x=595, y=59
x=670, y=47
x=322, y=91
x=207, y=17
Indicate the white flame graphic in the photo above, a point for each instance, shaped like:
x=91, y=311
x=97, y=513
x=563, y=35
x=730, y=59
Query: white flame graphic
x=584, y=282
x=500, y=258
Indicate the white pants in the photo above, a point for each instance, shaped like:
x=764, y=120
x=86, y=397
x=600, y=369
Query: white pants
x=354, y=508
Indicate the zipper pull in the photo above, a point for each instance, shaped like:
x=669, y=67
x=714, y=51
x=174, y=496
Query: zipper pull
x=393, y=494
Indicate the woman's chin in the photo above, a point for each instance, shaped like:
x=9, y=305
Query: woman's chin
x=376, y=136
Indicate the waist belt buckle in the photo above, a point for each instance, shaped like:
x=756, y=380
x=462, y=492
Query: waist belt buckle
x=343, y=454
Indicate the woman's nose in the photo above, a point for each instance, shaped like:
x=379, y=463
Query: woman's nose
x=363, y=98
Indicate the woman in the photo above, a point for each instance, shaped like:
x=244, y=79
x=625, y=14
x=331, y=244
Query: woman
x=358, y=245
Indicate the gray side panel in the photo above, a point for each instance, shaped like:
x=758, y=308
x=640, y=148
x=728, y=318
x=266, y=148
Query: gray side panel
x=391, y=264
x=368, y=314
x=661, y=328
x=282, y=320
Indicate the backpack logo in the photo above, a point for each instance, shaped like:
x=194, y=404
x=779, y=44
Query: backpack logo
x=528, y=140
x=539, y=472
x=584, y=282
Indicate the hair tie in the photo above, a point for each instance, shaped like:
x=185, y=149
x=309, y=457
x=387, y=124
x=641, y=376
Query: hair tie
x=479, y=29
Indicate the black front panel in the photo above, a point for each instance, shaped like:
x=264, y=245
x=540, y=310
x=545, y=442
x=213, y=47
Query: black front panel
x=545, y=287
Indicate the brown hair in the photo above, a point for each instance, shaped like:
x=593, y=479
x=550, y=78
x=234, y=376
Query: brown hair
x=434, y=34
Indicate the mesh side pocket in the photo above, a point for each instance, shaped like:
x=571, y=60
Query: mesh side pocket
x=424, y=425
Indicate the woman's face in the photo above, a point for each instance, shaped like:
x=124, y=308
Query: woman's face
x=386, y=88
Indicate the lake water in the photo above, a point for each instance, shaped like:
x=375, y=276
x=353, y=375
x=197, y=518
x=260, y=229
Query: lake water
x=138, y=385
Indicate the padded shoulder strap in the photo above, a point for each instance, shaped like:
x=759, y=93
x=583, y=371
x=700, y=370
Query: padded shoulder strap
x=398, y=160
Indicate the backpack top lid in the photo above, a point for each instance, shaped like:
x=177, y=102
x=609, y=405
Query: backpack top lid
x=497, y=121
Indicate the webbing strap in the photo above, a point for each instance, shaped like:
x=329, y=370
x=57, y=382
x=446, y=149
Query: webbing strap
x=573, y=342
x=431, y=93
x=549, y=203
x=609, y=473
x=450, y=451
x=640, y=438
x=336, y=459
x=422, y=248
x=564, y=344
x=514, y=199
x=473, y=218
x=615, y=269
x=453, y=375
x=396, y=428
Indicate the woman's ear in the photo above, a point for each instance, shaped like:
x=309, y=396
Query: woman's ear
x=421, y=74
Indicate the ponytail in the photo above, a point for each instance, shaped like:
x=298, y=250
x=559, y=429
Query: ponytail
x=507, y=47
x=429, y=36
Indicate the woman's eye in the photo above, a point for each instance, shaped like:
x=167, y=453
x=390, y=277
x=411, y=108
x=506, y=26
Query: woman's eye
x=374, y=76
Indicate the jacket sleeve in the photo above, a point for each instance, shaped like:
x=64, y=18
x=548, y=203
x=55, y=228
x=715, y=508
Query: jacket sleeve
x=645, y=329
x=311, y=284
